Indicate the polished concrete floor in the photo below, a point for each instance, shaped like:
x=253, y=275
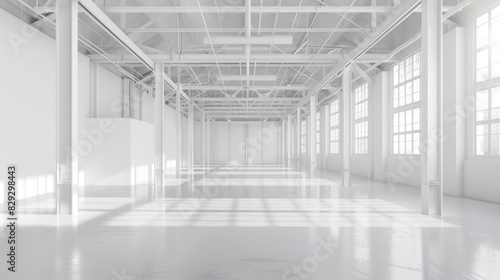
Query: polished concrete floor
x=258, y=222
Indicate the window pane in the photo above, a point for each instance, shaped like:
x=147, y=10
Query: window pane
x=409, y=144
x=481, y=139
x=401, y=72
x=395, y=144
x=416, y=64
x=416, y=90
x=395, y=123
x=416, y=143
x=482, y=100
x=409, y=120
x=416, y=119
x=395, y=76
x=482, y=19
x=495, y=145
x=409, y=68
x=482, y=35
x=402, y=144
x=409, y=93
x=482, y=59
x=482, y=66
x=495, y=61
x=396, y=97
x=495, y=25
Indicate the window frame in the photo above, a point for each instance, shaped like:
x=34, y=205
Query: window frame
x=303, y=136
x=361, y=145
x=318, y=132
x=488, y=85
x=335, y=114
x=413, y=105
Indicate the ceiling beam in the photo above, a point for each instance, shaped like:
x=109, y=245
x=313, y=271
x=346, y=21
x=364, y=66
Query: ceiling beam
x=270, y=87
x=400, y=14
x=236, y=58
x=283, y=106
x=240, y=9
x=109, y=26
x=237, y=30
x=236, y=99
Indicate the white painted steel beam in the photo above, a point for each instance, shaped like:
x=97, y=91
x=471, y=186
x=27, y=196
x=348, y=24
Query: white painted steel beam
x=400, y=14
x=240, y=40
x=432, y=100
x=159, y=126
x=190, y=140
x=240, y=9
x=236, y=58
x=298, y=137
x=178, y=129
x=289, y=141
x=346, y=125
x=240, y=99
x=269, y=78
x=238, y=88
x=238, y=30
x=312, y=135
x=67, y=108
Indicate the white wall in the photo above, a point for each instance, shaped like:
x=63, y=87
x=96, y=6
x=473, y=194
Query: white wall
x=27, y=112
x=109, y=95
x=27, y=100
x=481, y=174
x=239, y=142
x=123, y=157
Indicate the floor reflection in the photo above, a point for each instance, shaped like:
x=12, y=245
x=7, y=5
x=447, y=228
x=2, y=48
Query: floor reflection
x=257, y=222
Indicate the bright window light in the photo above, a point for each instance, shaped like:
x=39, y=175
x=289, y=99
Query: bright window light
x=303, y=137
x=361, y=119
x=487, y=80
x=406, y=105
x=318, y=129
x=334, y=127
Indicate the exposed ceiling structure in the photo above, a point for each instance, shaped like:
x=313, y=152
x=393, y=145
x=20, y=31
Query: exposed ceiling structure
x=244, y=59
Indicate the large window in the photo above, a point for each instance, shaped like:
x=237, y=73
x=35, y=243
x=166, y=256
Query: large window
x=303, y=136
x=334, y=127
x=361, y=119
x=487, y=83
x=406, y=106
x=318, y=129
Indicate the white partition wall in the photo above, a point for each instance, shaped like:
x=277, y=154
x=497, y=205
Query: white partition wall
x=237, y=143
x=221, y=143
x=253, y=143
x=255, y=151
x=270, y=143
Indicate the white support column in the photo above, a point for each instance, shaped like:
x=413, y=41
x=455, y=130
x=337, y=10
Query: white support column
x=289, y=141
x=178, y=129
x=346, y=126
x=159, y=122
x=203, y=139
x=94, y=85
x=280, y=140
x=298, y=135
x=208, y=142
x=312, y=135
x=431, y=147
x=190, y=140
x=67, y=107
x=126, y=98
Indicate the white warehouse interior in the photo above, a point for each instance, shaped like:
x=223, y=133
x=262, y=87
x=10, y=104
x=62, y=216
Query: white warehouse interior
x=250, y=139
